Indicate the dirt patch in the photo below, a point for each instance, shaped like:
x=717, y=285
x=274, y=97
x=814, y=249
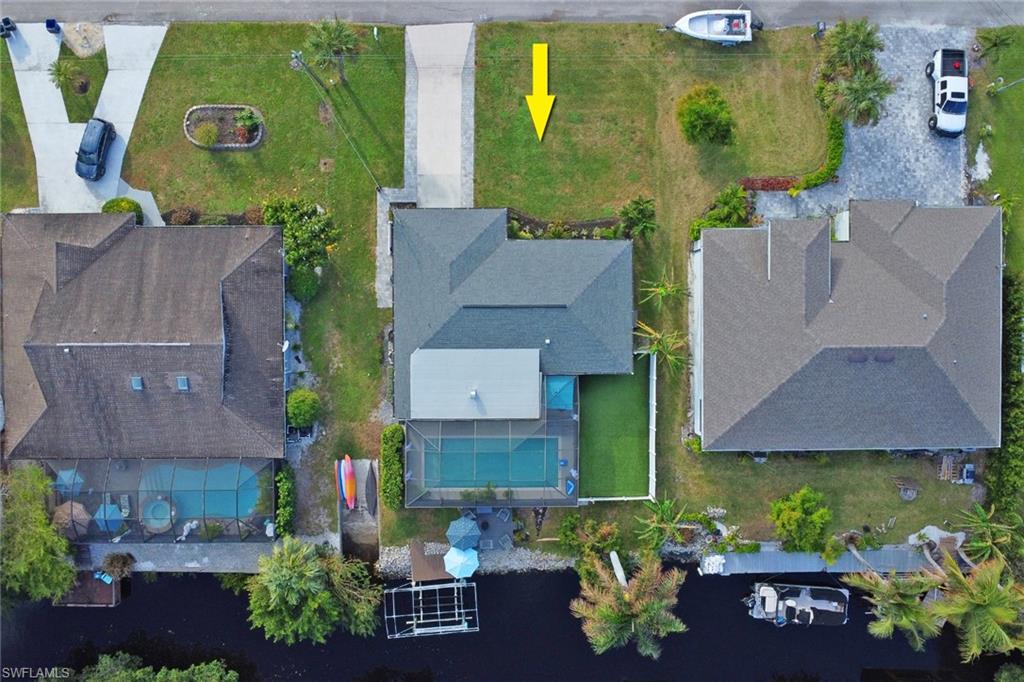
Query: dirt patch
x=84, y=39
x=326, y=114
x=326, y=165
x=81, y=85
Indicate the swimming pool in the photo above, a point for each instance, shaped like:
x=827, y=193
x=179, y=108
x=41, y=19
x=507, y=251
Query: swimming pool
x=221, y=491
x=502, y=462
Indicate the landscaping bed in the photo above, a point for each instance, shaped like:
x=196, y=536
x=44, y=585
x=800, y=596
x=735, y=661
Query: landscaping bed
x=82, y=92
x=231, y=131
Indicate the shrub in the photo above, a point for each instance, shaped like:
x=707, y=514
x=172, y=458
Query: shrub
x=124, y=667
x=850, y=47
x=284, y=514
x=184, y=215
x=303, y=283
x=850, y=84
x=637, y=218
x=858, y=98
x=833, y=158
x=206, y=134
x=124, y=205
x=253, y=215
x=235, y=583
x=730, y=209
x=303, y=407
x=801, y=520
x=62, y=73
x=1004, y=473
x=247, y=119
x=118, y=565
x=705, y=117
x=834, y=548
x=1009, y=672
x=213, y=220
x=392, y=481
x=308, y=234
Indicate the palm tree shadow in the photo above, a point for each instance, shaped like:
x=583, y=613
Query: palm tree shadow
x=368, y=120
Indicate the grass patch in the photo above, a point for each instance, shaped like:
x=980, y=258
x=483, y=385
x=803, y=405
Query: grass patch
x=613, y=433
x=239, y=63
x=17, y=160
x=81, y=106
x=429, y=525
x=1005, y=113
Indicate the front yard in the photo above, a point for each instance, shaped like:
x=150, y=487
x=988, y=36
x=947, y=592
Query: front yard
x=17, y=160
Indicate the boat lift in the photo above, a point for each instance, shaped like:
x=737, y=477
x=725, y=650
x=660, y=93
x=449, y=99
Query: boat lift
x=418, y=610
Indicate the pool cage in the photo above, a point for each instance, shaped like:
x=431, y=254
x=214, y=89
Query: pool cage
x=164, y=500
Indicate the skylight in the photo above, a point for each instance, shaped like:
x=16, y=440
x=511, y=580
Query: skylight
x=183, y=384
x=136, y=382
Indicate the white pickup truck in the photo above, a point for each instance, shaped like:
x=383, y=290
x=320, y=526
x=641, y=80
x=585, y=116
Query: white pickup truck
x=948, y=73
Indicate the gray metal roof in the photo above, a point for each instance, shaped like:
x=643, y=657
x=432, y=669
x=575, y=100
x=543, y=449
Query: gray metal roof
x=477, y=383
x=460, y=283
x=890, y=340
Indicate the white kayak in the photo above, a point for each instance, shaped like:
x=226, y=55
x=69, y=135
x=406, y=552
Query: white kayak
x=723, y=26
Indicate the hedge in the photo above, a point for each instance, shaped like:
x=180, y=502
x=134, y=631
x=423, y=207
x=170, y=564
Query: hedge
x=284, y=518
x=392, y=480
x=1004, y=473
x=124, y=205
x=833, y=158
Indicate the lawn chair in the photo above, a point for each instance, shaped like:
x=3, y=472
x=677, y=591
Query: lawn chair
x=505, y=541
x=504, y=514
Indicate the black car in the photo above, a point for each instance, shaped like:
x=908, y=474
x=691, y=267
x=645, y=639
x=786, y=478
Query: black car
x=92, y=153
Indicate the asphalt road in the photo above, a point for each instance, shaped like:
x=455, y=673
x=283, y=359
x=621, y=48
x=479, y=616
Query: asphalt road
x=774, y=13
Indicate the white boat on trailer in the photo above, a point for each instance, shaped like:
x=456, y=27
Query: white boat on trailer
x=722, y=26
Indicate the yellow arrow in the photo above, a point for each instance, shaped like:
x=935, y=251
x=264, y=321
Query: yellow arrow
x=540, y=102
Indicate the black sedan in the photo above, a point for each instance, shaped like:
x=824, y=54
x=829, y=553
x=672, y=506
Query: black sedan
x=92, y=153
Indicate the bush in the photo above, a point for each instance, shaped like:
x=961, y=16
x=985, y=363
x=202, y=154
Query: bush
x=833, y=158
x=206, y=134
x=731, y=209
x=309, y=234
x=705, y=117
x=303, y=283
x=303, y=407
x=284, y=514
x=1004, y=473
x=801, y=520
x=1009, y=672
x=184, y=215
x=213, y=220
x=693, y=444
x=834, y=548
x=235, y=583
x=637, y=219
x=124, y=667
x=124, y=205
x=392, y=478
x=253, y=215
x=118, y=565
x=247, y=119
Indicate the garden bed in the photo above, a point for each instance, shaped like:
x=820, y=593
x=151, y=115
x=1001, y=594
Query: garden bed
x=230, y=135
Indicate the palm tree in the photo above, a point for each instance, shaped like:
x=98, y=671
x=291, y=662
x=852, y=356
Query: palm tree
x=641, y=611
x=668, y=346
x=859, y=97
x=329, y=43
x=897, y=604
x=993, y=40
x=62, y=73
x=990, y=537
x=851, y=47
x=1007, y=202
x=984, y=607
x=662, y=525
x=661, y=290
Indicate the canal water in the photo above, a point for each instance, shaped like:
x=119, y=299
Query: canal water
x=526, y=633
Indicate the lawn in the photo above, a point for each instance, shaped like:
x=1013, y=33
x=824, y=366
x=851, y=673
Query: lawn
x=1005, y=113
x=17, y=160
x=92, y=70
x=304, y=154
x=614, y=434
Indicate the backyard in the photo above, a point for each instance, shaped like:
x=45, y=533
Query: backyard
x=304, y=154
x=17, y=161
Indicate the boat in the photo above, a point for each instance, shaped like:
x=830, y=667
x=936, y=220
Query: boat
x=798, y=604
x=722, y=26
x=348, y=482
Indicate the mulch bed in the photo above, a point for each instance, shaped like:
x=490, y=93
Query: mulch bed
x=579, y=229
x=228, y=132
x=769, y=184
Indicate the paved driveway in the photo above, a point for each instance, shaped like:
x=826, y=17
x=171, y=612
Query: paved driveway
x=899, y=158
x=131, y=51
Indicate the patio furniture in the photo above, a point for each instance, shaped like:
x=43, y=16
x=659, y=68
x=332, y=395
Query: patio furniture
x=484, y=510
x=126, y=505
x=504, y=514
x=463, y=533
x=461, y=563
x=505, y=541
x=486, y=544
x=468, y=514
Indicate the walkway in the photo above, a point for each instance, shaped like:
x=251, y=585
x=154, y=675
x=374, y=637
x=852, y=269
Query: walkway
x=131, y=51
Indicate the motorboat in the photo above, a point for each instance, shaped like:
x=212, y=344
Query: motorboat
x=722, y=26
x=784, y=605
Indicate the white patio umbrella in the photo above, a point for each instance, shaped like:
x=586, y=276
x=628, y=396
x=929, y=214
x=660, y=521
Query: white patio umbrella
x=461, y=563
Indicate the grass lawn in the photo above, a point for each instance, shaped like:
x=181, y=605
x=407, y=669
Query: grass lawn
x=248, y=64
x=613, y=433
x=1005, y=113
x=17, y=160
x=81, y=106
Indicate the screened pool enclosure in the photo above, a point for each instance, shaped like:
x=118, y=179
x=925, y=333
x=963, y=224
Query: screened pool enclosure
x=164, y=500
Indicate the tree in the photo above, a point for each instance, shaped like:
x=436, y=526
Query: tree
x=62, y=73
x=801, y=520
x=993, y=40
x=859, y=97
x=303, y=283
x=662, y=525
x=641, y=611
x=897, y=604
x=989, y=536
x=638, y=218
x=303, y=407
x=1009, y=672
x=360, y=599
x=850, y=46
x=984, y=607
x=309, y=233
x=705, y=117
x=329, y=43
x=668, y=346
x=33, y=551
x=124, y=667
x=661, y=290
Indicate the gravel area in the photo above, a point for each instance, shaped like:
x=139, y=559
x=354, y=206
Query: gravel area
x=394, y=563
x=899, y=158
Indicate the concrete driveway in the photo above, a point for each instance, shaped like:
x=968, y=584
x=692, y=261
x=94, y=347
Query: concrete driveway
x=899, y=158
x=131, y=51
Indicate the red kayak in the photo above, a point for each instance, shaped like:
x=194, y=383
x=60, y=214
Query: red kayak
x=348, y=482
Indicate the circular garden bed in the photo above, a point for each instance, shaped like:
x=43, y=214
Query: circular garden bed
x=224, y=126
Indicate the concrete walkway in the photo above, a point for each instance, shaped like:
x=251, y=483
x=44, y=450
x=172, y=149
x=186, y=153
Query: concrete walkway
x=131, y=51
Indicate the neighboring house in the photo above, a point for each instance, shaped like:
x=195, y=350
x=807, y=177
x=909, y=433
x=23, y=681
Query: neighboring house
x=143, y=367
x=888, y=337
x=491, y=334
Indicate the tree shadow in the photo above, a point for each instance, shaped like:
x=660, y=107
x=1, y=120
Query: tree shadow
x=721, y=164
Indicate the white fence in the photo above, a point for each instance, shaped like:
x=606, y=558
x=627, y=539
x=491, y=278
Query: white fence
x=652, y=433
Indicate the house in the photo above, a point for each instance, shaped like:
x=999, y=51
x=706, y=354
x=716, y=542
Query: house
x=490, y=337
x=143, y=367
x=886, y=337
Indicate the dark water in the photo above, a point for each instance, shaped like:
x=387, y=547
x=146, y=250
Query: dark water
x=526, y=633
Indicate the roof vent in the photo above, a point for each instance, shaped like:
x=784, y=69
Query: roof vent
x=857, y=356
x=472, y=393
x=547, y=342
x=885, y=357
x=183, y=384
x=136, y=383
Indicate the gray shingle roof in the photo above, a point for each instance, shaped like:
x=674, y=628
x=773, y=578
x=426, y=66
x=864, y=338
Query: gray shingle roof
x=890, y=340
x=91, y=301
x=460, y=283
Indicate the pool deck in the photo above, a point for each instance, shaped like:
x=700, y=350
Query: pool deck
x=196, y=557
